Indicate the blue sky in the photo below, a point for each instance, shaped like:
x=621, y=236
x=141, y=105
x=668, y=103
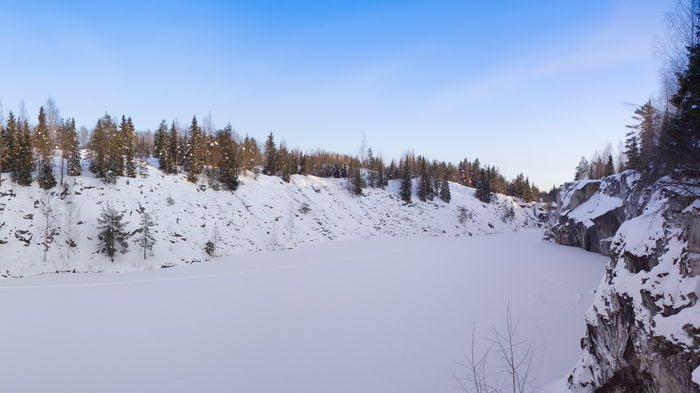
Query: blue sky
x=527, y=86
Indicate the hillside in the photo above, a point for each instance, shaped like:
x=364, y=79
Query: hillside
x=265, y=213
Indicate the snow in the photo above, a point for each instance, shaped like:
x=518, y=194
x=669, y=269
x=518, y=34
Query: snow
x=373, y=315
x=597, y=205
x=263, y=214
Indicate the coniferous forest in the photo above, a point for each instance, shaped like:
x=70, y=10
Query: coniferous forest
x=114, y=149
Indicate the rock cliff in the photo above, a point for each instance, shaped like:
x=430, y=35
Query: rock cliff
x=643, y=329
x=589, y=212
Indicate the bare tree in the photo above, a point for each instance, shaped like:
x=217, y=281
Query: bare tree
x=72, y=218
x=681, y=33
x=476, y=378
x=53, y=118
x=84, y=136
x=49, y=221
x=516, y=363
x=146, y=240
x=22, y=112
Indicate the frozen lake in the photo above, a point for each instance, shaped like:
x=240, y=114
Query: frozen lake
x=377, y=315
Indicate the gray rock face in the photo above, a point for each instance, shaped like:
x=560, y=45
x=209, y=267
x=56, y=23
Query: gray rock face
x=643, y=329
x=589, y=212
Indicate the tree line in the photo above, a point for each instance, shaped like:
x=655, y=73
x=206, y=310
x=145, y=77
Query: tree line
x=115, y=149
x=664, y=139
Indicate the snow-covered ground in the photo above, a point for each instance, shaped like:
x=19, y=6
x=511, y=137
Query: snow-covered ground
x=263, y=214
x=387, y=314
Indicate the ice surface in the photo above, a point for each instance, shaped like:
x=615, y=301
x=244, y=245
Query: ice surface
x=377, y=315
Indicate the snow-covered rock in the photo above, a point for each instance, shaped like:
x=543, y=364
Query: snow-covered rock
x=643, y=329
x=589, y=212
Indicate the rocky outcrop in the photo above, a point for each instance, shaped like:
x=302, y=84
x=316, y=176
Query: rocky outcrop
x=643, y=329
x=589, y=212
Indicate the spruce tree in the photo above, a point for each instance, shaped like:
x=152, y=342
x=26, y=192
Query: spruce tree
x=129, y=137
x=172, y=161
x=117, y=147
x=483, y=186
x=445, y=190
x=46, y=178
x=160, y=145
x=424, y=186
x=271, y=166
x=683, y=137
x=355, y=182
x=25, y=159
x=406, y=183
x=11, y=138
x=381, y=178
x=74, y=168
x=634, y=160
x=609, y=166
x=193, y=159
x=112, y=236
x=228, y=158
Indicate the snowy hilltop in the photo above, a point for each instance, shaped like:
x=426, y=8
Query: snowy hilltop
x=57, y=230
x=642, y=329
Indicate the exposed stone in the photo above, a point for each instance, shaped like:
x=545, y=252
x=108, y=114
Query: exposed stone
x=649, y=279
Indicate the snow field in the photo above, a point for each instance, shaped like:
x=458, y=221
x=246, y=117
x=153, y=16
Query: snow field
x=372, y=315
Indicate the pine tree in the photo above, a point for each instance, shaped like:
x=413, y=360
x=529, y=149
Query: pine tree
x=193, y=158
x=445, y=190
x=112, y=236
x=146, y=239
x=271, y=166
x=46, y=178
x=106, y=160
x=227, y=161
x=647, y=133
x=406, y=183
x=70, y=148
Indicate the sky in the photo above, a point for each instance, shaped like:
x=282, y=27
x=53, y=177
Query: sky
x=528, y=87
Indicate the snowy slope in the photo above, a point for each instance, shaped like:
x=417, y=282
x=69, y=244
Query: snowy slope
x=263, y=214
